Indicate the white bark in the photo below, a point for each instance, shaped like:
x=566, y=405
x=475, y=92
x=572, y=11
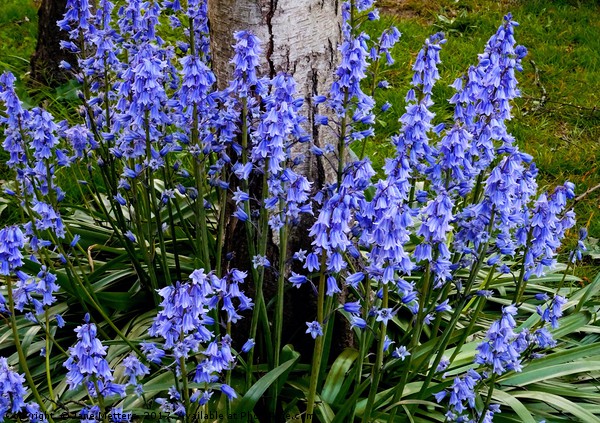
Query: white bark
x=299, y=37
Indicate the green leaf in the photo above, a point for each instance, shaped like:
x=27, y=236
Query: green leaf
x=561, y=403
x=572, y=354
x=527, y=377
x=515, y=404
x=247, y=403
x=571, y=323
x=122, y=301
x=337, y=374
x=584, y=294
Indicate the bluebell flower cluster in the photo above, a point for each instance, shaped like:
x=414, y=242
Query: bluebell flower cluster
x=35, y=293
x=246, y=60
x=32, y=143
x=413, y=141
x=546, y=227
x=461, y=395
x=12, y=391
x=278, y=129
x=87, y=364
x=387, y=40
x=577, y=253
x=134, y=369
x=502, y=349
x=482, y=102
x=12, y=241
x=13, y=394
x=184, y=323
x=183, y=320
x=553, y=311
x=346, y=88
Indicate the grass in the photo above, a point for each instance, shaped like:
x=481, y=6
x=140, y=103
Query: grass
x=18, y=32
x=557, y=119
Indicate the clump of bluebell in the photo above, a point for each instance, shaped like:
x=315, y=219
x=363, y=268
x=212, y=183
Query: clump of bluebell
x=166, y=161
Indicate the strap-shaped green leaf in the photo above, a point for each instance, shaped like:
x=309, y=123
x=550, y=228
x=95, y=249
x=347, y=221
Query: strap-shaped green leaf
x=337, y=374
x=247, y=403
x=544, y=373
x=515, y=404
x=561, y=403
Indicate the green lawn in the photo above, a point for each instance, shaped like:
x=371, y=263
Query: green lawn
x=18, y=31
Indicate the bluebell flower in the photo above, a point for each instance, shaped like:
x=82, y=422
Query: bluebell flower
x=134, y=369
x=60, y=322
x=357, y=321
x=443, y=364
x=444, y=306
x=228, y=390
x=248, y=345
x=314, y=329
x=387, y=343
x=384, y=315
x=260, y=261
x=352, y=307
x=300, y=255
x=401, y=352
x=131, y=236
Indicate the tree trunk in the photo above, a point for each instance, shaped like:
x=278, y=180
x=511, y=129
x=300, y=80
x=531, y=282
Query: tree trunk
x=299, y=37
x=48, y=54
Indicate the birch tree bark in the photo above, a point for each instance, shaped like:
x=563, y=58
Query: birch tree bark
x=300, y=37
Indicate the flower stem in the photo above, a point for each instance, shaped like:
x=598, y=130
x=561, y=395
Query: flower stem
x=283, y=236
x=378, y=360
x=21, y=354
x=48, y=376
x=318, y=350
x=186, y=392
